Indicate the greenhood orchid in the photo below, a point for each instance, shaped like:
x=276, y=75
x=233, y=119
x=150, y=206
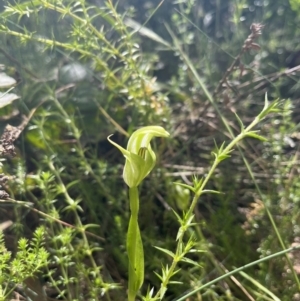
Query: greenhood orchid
x=140, y=158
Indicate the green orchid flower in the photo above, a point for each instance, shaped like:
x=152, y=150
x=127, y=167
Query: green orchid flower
x=140, y=158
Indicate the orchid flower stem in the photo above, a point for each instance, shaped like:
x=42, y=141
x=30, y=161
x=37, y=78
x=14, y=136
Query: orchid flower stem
x=140, y=160
x=134, y=247
x=134, y=201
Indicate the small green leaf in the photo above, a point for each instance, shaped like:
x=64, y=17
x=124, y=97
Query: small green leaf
x=160, y=277
x=180, y=233
x=256, y=136
x=149, y=295
x=266, y=103
x=91, y=226
x=178, y=217
x=185, y=186
x=190, y=261
x=165, y=251
x=240, y=122
x=210, y=191
x=175, y=282
x=134, y=247
x=136, y=258
x=223, y=157
x=190, y=219
x=197, y=251
x=197, y=183
x=175, y=272
x=71, y=184
x=214, y=154
x=221, y=147
x=269, y=108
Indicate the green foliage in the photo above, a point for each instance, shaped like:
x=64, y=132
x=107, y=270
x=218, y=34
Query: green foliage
x=295, y=5
x=86, y=69
x=31, y=258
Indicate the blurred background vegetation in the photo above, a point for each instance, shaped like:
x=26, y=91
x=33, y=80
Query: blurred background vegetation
x=88, y=69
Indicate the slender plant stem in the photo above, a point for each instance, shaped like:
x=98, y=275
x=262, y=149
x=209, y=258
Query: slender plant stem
x=178, y=253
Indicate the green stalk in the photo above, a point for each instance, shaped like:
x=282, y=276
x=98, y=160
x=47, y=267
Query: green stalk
x=218, y=159
x=134, y=247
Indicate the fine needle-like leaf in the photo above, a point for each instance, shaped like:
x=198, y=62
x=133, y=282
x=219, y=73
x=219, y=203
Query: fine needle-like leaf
x=165, y=251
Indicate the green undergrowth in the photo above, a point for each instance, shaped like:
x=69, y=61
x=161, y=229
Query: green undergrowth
x=88, y=69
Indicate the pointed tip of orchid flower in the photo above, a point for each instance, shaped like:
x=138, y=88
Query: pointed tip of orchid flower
x=123, y=151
